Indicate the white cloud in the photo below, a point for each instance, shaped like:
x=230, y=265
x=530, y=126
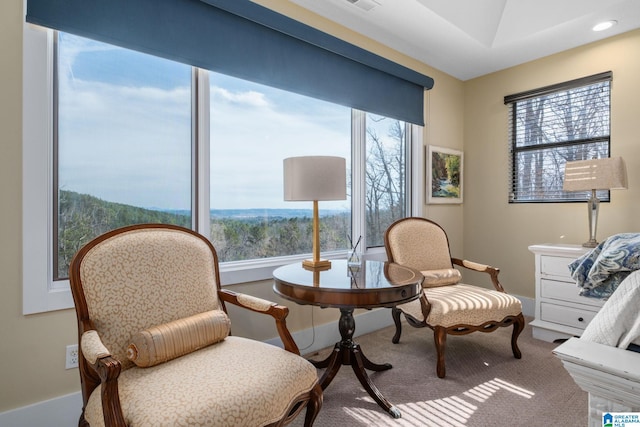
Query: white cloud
x=131, y=143
x=248, y=98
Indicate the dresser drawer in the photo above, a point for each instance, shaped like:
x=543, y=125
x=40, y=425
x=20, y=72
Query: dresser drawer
x=569, y=316
x=556, y=266
x=565, y=291
x=559, y=307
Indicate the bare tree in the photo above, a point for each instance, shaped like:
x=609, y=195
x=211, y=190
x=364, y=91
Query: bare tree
x=556, y=128
x=385, y=179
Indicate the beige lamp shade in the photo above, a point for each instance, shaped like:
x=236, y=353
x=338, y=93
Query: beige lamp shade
x=595, y=174
x=316, y=178
x=591, y=175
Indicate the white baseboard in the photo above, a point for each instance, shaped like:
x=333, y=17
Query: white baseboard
x=64, y=411
x=326, y=335
x=528, y=305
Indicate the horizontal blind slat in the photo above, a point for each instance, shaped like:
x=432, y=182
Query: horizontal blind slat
x=605, y=76
x=546, y=131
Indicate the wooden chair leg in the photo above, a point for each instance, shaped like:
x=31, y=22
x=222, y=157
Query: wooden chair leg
x=82, y=422
x=313, y=406
x=395, y=313
x=440, y=337
x=518, y=326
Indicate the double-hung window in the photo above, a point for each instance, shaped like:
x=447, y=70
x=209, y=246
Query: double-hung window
x=552, y=125
x=115, y=137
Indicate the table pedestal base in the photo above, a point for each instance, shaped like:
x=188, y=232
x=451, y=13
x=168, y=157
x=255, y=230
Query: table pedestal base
x=347, y=352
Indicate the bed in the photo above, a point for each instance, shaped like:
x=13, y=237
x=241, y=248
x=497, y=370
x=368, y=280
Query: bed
x=605, y=360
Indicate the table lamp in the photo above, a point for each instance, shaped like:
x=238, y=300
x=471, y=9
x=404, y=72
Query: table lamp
x=596, y=174
x=315, y=178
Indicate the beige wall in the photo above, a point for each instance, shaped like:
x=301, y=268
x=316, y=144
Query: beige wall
x=498, y=233
x=469, y=116
x=445, y=128
x=32, y=347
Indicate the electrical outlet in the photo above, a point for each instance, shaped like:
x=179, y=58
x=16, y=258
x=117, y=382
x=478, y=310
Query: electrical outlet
x=72, y=357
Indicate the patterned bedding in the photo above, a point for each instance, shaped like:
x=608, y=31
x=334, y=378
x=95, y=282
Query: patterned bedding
x=599, y=272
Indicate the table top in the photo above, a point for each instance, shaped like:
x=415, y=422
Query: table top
x=373, y=284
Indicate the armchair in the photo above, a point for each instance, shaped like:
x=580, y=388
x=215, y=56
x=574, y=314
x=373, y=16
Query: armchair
x=447, y=306
x=155, y=345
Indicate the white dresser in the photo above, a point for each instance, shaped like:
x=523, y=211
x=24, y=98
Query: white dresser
x=560, y=311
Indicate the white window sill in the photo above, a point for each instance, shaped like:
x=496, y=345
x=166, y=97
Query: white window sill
x=231, y=273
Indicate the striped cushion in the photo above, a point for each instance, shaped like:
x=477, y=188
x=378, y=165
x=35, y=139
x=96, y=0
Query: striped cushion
x=443, y=277
x=463, y=304
x=165, y=342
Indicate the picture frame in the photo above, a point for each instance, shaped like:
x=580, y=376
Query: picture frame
x=444, y=175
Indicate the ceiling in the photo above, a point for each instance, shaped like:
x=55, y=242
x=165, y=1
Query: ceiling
x=470, y=38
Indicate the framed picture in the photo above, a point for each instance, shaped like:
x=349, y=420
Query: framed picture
x=444, y=175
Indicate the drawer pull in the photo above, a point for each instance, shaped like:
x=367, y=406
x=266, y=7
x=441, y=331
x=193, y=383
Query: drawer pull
x=580, y=319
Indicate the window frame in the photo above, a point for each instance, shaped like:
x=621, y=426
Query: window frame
x=40, y=292
x=512, y=102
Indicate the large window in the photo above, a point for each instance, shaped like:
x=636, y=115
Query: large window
x=252, y=129
x=131, y=138
x=385, y=176
x=123, y=143
x=551, y=126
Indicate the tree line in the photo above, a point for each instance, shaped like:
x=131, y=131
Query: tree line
x=82, y=217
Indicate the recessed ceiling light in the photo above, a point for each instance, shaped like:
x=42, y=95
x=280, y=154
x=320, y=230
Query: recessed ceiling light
x=604, y=25
x=365, y=5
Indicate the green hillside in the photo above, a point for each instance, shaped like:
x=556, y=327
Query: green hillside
x=83, y=217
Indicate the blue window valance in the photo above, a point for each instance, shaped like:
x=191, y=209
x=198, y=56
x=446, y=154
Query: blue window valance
x=248, y=41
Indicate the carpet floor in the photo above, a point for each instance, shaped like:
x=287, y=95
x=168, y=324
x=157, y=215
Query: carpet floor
x=485, y=385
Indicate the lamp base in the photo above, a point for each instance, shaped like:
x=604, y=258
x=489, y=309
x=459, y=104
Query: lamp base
x=321, y=264
x=593, y=206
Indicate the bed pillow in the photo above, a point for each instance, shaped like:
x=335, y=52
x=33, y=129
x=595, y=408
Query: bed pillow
x=162, y=343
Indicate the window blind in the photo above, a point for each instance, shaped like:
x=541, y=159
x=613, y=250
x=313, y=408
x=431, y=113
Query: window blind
x=552, y=125
x=246, y=40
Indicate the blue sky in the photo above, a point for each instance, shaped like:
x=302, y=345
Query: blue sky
x=125, y=130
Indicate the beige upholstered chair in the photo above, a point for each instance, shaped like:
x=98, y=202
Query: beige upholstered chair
x=447, y=306
x=154, y=339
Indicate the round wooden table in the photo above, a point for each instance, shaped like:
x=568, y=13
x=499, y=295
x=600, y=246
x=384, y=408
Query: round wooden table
x=370, y=285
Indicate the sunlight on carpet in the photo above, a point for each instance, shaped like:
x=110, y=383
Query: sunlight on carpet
x=485, y=385
x=453, y=411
